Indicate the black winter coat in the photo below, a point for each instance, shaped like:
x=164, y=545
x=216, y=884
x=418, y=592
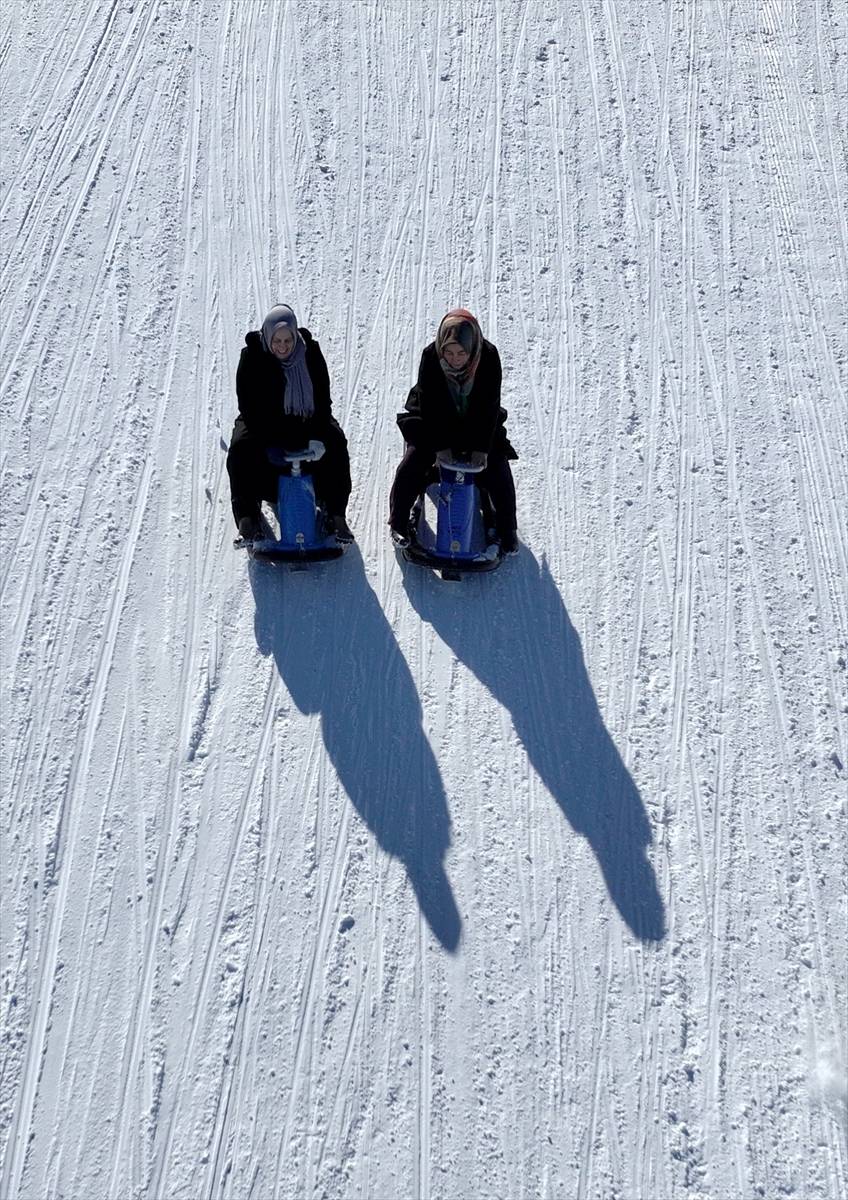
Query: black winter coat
x=261, y=386
x=432, y=420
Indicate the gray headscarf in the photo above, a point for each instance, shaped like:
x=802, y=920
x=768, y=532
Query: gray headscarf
x=298, y=400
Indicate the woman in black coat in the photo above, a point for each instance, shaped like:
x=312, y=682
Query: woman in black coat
x=283, y=390
x=456, y=405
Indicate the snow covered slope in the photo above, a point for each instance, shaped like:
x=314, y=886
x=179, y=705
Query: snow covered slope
x=356, y=883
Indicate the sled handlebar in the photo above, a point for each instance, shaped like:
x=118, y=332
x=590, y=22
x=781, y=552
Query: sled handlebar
x=280, y=456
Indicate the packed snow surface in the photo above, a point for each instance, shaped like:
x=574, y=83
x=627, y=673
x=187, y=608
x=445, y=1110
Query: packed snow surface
x=355, y=882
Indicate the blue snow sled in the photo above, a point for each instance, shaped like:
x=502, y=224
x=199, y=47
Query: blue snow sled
x=463, y=541
x=303, y=536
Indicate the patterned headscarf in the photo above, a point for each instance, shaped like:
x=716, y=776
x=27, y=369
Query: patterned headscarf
x=298, y=400
x=461, y=327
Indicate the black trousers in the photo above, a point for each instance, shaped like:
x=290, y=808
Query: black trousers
x=253, y=479
x=413, y=473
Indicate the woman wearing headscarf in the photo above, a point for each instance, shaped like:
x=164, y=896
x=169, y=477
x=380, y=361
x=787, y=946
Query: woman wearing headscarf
x=283, y=390
x=456, y=405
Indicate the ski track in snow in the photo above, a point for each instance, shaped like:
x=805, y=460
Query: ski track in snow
x=357, y=883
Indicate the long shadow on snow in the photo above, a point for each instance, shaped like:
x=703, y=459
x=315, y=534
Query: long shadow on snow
x=512, y=630
x=337, y=655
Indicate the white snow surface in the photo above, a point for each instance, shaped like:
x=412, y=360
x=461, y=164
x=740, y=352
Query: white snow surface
x=359, y=883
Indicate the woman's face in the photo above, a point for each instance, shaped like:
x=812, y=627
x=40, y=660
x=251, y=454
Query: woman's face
x=282, y=343
x=455, y=356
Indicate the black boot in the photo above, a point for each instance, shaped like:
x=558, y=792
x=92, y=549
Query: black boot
x=401, y=534
x=339, y=526
x=249, y=529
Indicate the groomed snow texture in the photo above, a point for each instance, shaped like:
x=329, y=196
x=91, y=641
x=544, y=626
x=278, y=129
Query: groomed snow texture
x=357, y=883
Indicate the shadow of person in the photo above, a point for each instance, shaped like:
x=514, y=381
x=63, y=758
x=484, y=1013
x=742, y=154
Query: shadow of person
x=512, y=630
x=337, y=655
